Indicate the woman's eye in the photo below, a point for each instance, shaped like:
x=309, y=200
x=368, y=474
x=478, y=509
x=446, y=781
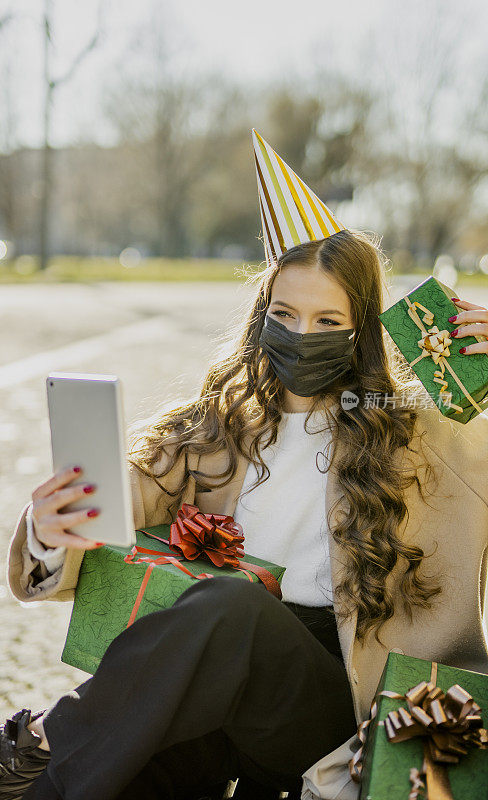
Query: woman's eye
x=279, y=313
x=323, y=320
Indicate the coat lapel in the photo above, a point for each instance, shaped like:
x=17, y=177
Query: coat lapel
x=221, y=500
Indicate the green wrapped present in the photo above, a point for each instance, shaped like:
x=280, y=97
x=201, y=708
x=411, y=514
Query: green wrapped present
x=419, y=325
x=426, y=735
x=117, y=585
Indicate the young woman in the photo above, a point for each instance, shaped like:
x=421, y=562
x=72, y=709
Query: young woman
x=365, y=503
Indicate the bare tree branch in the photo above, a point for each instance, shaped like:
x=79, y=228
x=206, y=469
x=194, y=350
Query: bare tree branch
x=51, y=84
x=96, y=38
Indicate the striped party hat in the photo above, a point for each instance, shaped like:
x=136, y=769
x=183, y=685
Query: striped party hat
x=291, y=213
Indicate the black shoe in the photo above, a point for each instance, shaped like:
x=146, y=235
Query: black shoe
x=21, y=760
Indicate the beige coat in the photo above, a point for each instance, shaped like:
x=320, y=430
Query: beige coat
x=453, y=526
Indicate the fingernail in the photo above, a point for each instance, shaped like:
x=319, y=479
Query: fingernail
x=462, y=350
x=453, y=319
x=93, y=512
x=455, y=299
x=99, y=544
x=454, y=333
x=76, y=469
x=89, y=488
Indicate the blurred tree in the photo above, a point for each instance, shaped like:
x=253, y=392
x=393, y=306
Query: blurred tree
x=6, y=17
x=224, y=216
x=322, y=132
x=50, y=86
x=183, y=126
x=317, y=134
x=9, y=163
x=177, y=132
x=400, y=136
x=421, y=167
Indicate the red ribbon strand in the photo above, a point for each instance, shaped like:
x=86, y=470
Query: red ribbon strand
x=196, y=535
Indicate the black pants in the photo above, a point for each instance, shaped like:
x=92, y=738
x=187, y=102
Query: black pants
x=227, y=682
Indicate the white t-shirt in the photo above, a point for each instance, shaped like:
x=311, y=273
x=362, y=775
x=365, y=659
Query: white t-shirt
x=283, y=519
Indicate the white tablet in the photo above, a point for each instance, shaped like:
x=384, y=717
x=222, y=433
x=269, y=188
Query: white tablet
x=87, y=428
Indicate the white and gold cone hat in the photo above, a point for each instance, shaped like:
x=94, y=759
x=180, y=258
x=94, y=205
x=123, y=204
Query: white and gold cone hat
x=291, y=213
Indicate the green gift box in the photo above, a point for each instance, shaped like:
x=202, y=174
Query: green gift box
x=387, y=765
x=108, y=588
x=457, y=383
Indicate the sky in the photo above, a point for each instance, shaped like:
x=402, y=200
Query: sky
x=251, y=42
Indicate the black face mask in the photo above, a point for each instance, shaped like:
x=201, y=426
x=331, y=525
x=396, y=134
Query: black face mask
x=306, y=363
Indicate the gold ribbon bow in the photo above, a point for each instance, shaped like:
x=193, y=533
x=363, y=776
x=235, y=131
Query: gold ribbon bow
x=449, y=723
x=435, y=344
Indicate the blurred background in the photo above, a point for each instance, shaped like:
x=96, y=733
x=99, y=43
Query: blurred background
x=125, y=129
x=128, y=199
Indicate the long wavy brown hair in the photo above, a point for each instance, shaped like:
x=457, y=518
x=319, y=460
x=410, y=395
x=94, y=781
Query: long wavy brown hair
x=240, y=407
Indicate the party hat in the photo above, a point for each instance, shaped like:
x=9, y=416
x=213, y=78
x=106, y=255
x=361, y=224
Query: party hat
x=291, y=213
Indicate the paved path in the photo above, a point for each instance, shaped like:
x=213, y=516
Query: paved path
x=159, y=339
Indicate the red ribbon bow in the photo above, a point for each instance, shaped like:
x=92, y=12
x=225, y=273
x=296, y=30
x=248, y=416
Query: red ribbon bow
x=195, y=535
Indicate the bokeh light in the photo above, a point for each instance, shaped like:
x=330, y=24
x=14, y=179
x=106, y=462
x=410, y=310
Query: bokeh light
x=130, y=257
x=445, y=270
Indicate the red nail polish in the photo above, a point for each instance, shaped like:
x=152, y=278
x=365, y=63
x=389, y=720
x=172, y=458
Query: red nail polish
x=93, y=512
x=88, y=489
x=453, y=319
x=454, y=333
x=99, y=544
x=76, y=469
x=462, y=350
x=455, y=299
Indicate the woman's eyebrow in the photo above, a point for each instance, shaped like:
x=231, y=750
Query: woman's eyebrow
x=327, y=311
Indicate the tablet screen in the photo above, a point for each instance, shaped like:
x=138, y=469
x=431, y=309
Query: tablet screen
x=87, y=428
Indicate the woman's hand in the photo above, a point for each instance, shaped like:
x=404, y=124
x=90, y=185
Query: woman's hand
x=51, y=526
x=472, y=321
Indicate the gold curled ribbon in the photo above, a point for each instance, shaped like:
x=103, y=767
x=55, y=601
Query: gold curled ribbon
x=450, y=723
x=435, y=344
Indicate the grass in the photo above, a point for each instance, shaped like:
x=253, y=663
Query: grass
x=75, y=269
x=476, y=279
